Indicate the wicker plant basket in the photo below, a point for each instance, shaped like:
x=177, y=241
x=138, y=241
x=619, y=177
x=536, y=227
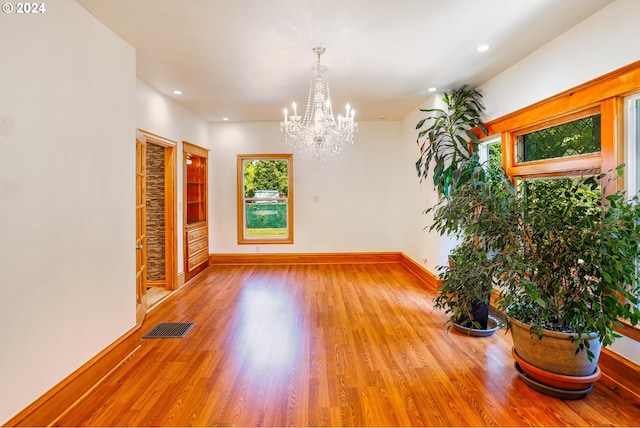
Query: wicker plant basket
x=556, y=352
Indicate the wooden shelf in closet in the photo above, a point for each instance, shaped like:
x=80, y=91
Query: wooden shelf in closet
x=195, y=210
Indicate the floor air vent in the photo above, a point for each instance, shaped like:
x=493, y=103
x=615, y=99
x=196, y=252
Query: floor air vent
x=169, y=330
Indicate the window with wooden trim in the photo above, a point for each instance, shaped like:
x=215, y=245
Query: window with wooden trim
x=632, y=149
x=576, y=137
x=568, y=145
x=604, y=95
x=265, y=199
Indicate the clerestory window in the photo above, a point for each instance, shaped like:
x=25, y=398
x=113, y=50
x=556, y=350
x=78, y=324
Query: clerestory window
x=577, y=137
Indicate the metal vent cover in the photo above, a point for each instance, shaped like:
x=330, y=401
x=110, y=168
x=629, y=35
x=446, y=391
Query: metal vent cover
x=169, y=330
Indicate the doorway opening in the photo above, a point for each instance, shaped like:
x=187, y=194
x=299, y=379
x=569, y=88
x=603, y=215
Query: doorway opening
x=161, y=213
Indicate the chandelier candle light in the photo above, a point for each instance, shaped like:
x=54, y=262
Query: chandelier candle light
x=318, y=130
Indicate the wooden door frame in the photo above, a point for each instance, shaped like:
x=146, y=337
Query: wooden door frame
x=170, y=205
x=140, y=238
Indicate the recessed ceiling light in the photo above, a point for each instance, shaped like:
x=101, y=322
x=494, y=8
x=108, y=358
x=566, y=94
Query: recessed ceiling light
x=482, y=48
x=176, y=92
x=432, y=89
x=225, y=119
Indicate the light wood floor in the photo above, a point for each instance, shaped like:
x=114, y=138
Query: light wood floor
x=155, y=295
x=325, y=345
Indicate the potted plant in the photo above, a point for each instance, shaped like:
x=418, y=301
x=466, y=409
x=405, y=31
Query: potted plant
x=449, y=139
x=469, y=279
x=565, y=262
x=466, y=289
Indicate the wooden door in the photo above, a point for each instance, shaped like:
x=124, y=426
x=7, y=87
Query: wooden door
x=141, y=227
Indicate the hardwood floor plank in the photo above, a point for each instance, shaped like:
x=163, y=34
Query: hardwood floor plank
x=325, y=345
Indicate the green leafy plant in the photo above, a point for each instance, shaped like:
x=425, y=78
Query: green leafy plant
x=449, y=141
x=563, y=259
x=466, y=286
x=448, y=138
x=468, y=280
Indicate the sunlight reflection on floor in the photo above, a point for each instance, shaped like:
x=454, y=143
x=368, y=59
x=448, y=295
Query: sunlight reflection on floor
x=269, y=331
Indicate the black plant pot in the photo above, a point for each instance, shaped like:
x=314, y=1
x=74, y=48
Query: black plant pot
x=480, y=313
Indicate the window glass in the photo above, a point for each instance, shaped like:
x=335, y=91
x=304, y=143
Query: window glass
x=632, y=154
x=577, y=137
x=490, y=153
x=632, y=149
x=264, y=201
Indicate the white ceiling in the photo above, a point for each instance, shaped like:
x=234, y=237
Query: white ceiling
x=248, y=59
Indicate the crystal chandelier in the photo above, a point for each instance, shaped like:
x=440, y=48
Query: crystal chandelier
x=318, y=130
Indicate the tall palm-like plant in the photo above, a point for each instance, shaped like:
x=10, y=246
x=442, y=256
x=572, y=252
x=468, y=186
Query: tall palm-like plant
x=449, y=140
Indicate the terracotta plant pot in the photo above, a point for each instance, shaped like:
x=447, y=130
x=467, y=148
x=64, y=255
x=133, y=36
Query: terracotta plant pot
x=565, y=394
x=556, y=352
x=570, y=383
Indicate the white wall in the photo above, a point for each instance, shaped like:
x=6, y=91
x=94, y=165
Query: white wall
x=427, y=248
x=602, y=43
x=163, y=116
x=357, y=191
x=67, y=202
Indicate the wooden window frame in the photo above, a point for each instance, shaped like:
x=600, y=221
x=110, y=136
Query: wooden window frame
x=570, y=165
x=240, y=199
